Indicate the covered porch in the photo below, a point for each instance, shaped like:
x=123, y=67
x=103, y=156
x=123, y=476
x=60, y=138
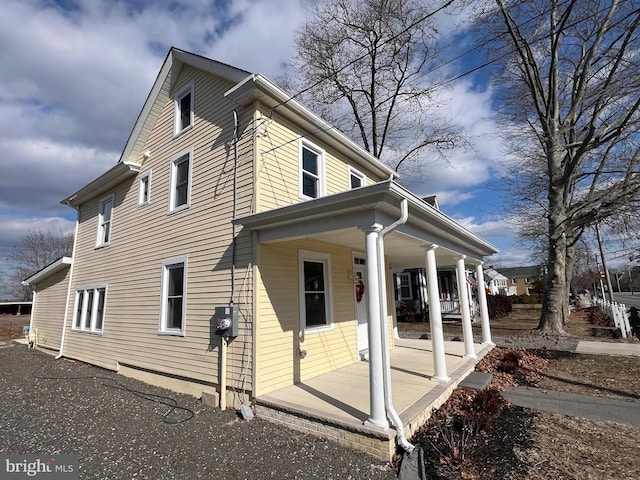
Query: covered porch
x=336, y=405
x=386, y=228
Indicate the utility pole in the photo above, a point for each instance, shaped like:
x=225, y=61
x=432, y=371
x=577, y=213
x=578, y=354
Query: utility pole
x=604, y=264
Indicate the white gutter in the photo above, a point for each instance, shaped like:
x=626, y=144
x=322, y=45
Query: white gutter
x=66, y=307
x=386, y=365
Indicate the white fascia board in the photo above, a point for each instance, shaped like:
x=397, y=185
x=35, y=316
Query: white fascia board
x=56, y=266
x=109, y=179
x=435, y=217
x=257, y=87
x=384, y=197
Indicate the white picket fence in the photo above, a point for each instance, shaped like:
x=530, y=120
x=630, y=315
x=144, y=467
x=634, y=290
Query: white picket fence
x=617, y=312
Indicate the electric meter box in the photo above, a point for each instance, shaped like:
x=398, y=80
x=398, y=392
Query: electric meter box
x=225, y=319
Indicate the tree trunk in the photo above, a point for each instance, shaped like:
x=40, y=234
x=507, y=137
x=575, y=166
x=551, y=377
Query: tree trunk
x=556, y=296
x=552, y=317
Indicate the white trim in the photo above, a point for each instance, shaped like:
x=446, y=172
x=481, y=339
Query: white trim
x=162, y=327
x=86, y=324
x=178, y=129
x=358, y=174
x=409, y=285
x=100, y=240
x=175, y=160
x=145, y=179
x=47, y=271
x=320, y=175
x=325, y=259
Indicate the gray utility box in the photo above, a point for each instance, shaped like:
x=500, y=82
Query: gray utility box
x=225, y=321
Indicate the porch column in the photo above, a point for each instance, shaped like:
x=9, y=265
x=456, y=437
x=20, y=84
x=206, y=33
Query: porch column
x=435, y=317
x=463, y=297
x=484, y=311
x=377, y=413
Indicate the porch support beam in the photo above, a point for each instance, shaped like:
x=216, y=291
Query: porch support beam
x=484, y=310
x=463, y=296
x=377, y=413
x=435, y=317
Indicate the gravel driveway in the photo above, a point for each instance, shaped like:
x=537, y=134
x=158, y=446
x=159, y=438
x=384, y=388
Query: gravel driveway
x=116, y=426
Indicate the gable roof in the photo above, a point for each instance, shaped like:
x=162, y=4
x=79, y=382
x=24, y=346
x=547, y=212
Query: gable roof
x=249, y=87
x=494, y=274
x=532, y=271
x=170, y=71
x=53, y=267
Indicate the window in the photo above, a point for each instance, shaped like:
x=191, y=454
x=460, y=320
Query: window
x=311, y=170
x=180, y=182
x=404, y=286
x=526, y=280
x=173, y=308
x=356, y=179
x=105, y=213
x=183, y=102
x=144, y=192
x=514, y=281
x=315, y=291
x=89, y=309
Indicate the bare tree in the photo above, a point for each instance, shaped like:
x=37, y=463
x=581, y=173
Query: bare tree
x=35, y=251
x=363, y=66
x=571, y=79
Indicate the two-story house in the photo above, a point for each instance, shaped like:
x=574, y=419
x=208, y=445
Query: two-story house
x=234, y=206
x=522, y=279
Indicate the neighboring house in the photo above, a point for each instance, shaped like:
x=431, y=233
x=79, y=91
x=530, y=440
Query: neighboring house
x=232, y=200
x=522, y=278
x=497, y=283
x=412, y=297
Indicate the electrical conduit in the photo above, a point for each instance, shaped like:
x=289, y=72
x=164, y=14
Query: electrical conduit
x=386, y=372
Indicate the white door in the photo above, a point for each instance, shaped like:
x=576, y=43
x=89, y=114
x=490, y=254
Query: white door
x=360, y=292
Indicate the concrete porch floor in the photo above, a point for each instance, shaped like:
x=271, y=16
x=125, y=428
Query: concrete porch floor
x=335, y=405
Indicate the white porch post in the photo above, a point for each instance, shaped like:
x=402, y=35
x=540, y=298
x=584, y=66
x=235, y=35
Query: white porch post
x=484, y=311
x=377, y=413
x=463, y=297
x=435, y=317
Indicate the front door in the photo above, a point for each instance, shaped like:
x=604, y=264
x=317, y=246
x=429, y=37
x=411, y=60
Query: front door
x=359, y=292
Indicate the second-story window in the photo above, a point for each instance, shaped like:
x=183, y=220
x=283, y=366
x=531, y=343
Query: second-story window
x=105, y=213
x=183, y=107
x=180, y=182
x=311, y=170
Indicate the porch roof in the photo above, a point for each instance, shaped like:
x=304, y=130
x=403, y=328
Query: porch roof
x=342, y=218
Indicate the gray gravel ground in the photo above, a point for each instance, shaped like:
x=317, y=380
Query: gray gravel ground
x=87, y=411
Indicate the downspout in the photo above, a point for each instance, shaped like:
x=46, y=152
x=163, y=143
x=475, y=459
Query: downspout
x=73, y=262
x=386, y=372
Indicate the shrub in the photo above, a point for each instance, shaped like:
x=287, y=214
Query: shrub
x=498, y=305
x=527, y=299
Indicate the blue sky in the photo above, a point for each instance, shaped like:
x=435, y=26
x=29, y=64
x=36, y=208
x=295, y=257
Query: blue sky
x=76, y=73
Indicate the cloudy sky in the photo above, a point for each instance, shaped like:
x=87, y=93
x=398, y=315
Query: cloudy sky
x=76, y=73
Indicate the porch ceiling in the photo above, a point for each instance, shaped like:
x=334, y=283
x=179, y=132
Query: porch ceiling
x=342, y=219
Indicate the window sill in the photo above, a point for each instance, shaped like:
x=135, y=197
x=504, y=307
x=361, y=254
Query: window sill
x=87, y=332
x=183, y=131
x=169, y=333
x=320, y=329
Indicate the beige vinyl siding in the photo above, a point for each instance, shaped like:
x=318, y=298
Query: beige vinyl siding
x=278, y=318
x=143, y=236
x=278, y=164
x=48, y=310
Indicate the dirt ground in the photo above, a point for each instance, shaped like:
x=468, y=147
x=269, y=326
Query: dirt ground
x=521, y=443
x=517, y=443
